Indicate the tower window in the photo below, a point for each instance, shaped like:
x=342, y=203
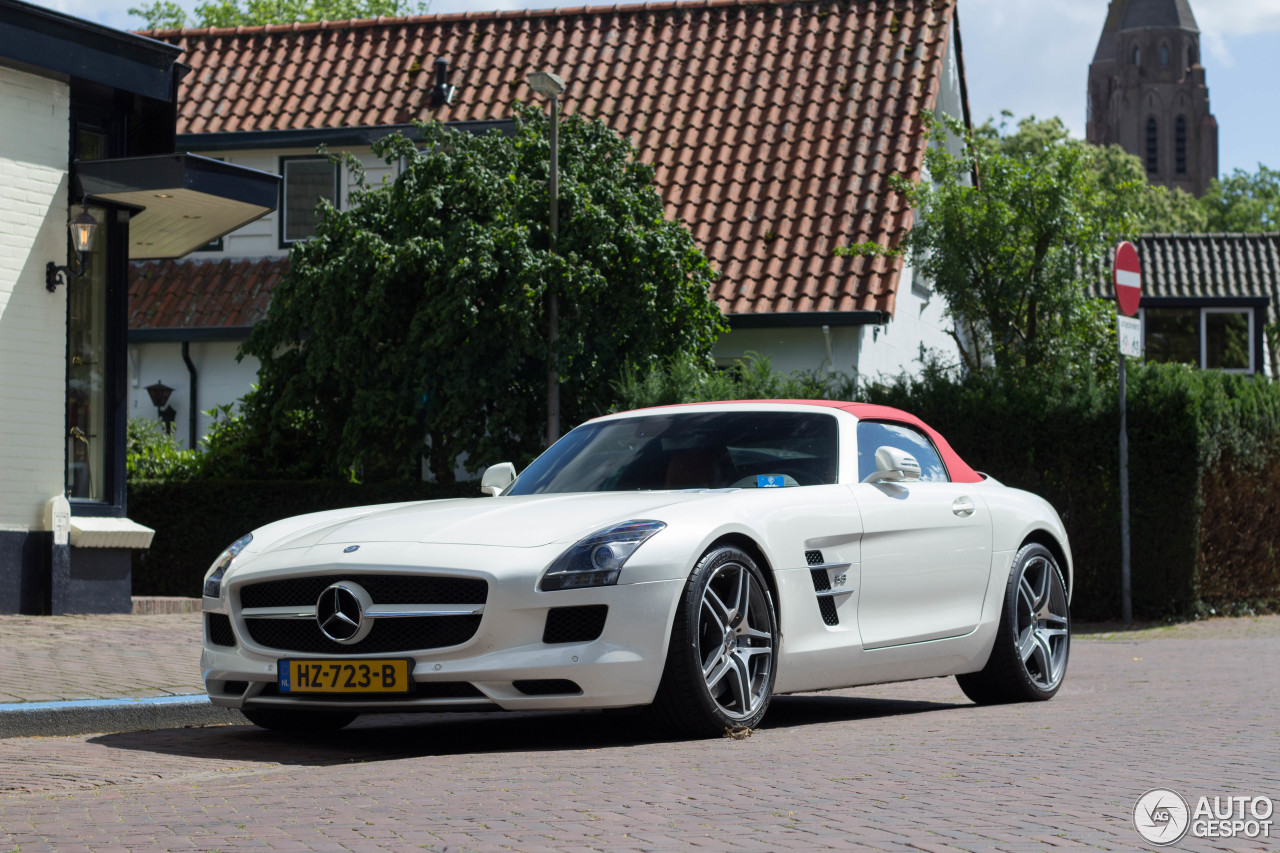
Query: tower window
x=1180, y=145
x=1164, y=54
x=1191, y=55
x=1153, y=156
x=1137, y=55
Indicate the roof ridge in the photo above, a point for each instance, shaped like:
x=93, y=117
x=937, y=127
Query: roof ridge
x=495, y=15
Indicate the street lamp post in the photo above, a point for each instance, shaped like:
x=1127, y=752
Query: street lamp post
x=551, y=86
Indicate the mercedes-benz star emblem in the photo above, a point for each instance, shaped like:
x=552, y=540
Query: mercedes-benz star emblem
x=340, y=613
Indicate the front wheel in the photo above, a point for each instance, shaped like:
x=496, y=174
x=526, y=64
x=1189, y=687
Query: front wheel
x=1033, y=640
x=720, y=665
x=298, y=722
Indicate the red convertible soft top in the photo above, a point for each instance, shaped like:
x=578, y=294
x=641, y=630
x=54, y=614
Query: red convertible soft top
x=957, y=468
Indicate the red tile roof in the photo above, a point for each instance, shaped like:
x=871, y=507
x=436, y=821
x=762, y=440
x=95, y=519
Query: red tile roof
x=201, y=294
x=773, y=126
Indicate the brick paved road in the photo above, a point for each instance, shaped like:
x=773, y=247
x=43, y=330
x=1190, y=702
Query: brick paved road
x=903, y=767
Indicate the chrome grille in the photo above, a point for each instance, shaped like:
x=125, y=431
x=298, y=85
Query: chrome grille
x=265, y=608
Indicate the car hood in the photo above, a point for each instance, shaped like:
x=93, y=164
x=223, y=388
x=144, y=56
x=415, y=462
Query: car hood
x=527, y=521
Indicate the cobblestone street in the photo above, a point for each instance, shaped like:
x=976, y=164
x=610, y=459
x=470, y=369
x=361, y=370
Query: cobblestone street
x=912, y=766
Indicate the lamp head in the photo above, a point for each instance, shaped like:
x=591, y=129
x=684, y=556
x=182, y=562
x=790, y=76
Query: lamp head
x=546, y=84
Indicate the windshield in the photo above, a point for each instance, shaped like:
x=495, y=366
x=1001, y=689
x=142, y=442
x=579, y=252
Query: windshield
x=688, y=450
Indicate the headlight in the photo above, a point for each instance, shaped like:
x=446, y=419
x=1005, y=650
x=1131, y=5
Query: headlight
x=213, y=578
x=597, y=560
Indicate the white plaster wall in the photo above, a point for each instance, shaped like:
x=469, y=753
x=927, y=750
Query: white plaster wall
x=792, y=350
x=261, y=238
x=221, y=380
x=34, y=131
x=918, y=320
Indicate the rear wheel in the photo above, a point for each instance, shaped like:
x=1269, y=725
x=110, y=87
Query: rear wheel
x=1029, y=659
x=300, y=722
x=720, y=665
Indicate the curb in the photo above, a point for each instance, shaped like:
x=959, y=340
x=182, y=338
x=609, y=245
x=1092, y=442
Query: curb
x=100, y=716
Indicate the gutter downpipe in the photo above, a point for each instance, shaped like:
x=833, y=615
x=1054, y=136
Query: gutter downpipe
x=195, y=409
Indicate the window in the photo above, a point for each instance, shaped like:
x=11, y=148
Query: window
x=1153, y=149
x=872, y=435
x=1172, y=335
x=306, y=181
x=88, y=426
x=1164, y=55
x=688, y=450
x=1226, y=339
x=1208, y=338
x=1180, y=145
x=1137, y=55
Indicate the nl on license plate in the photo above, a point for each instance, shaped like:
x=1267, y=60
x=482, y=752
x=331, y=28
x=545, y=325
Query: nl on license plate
x=344, y=676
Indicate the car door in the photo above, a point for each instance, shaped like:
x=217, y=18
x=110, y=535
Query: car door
x=926, y=547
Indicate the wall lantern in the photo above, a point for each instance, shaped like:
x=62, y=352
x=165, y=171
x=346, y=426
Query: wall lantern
x=82, y=228
x=159, y=394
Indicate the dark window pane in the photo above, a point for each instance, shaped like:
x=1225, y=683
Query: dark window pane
x=305, y=183
x=1180, y=145
x=1153, y=149
x=872, y=436
x=1226, y=340
x=1173, y=335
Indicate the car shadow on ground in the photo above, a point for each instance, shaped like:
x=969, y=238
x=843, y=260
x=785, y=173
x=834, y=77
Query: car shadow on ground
x=378, y=737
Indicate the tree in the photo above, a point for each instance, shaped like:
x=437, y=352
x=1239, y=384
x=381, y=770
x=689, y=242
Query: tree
x=168, y=15
x=1013, y=256
x=1243, y=202
x=417, y=313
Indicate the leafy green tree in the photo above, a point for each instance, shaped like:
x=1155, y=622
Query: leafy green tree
x=166, y=14
x=1243, y=202
x=417, y=314
x=1013, y=256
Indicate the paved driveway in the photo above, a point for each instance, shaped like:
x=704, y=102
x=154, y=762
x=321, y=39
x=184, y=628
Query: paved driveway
x=1195, y=709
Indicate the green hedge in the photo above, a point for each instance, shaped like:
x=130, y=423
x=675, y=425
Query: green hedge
x=1204, y=469
x=194, y=521
x=1204, y=485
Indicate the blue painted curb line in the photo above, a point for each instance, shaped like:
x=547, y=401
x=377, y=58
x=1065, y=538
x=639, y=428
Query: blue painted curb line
x=94, y=704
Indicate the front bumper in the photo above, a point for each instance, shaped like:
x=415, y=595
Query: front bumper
x=505, y=665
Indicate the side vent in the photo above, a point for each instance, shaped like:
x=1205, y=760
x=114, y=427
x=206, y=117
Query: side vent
x=826, y=604
x=813, y=558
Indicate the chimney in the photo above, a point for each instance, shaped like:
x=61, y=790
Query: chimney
x=442, y=94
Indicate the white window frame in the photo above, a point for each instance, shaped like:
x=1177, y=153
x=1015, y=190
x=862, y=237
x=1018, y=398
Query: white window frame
x=285, y=162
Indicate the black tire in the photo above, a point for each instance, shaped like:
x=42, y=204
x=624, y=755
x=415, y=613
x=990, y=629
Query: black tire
x=298, y=722
x=721, y=663
x=1033, y=640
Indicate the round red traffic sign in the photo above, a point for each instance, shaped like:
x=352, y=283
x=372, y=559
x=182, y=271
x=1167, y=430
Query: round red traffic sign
x=1128, y=278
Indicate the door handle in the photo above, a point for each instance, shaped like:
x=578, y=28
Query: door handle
x=963, y=507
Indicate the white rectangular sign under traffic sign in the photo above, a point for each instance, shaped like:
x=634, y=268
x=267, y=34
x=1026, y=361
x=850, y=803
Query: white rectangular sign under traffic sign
x=1129, y=331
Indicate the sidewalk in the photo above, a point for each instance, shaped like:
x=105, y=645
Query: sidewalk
x=81, y=674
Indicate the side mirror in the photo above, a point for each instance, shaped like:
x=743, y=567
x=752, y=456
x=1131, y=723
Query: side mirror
x=894, y=466
x=497, y=477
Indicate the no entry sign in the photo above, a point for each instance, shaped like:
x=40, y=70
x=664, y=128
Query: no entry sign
x=1128, y=278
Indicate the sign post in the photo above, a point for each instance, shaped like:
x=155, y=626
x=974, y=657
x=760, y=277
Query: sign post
x=1128, y=282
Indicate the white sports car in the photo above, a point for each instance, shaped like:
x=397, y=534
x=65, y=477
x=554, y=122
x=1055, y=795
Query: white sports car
x=697, y=559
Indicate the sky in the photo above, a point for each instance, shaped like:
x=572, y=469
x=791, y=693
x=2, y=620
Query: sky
x=1030, y=57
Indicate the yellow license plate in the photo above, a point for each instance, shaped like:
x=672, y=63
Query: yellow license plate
x=344, y=676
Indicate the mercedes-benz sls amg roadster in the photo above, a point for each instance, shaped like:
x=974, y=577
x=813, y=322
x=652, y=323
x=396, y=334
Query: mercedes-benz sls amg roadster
x=695, y=560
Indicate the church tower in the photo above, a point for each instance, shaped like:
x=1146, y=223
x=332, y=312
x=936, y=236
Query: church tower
x=1147, y=93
